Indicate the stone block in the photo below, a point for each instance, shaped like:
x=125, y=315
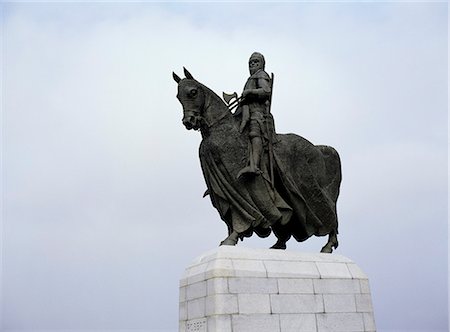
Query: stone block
x=298, y=322
x=183, y=281
x=182, y=295
x=296, y=303
x=290, y=269
x=339, y=303
x=369, y=322
x=217, y=286
x=219, y=268
x=356, y=271
x=249, y=268
x=219, y=323
x=256, y=323
x=196, y=273
x=365, y=287
x=336, y=286
x=340, y=322
x=364, y=303
x=254, y=303
x=182, y=326
x=252, y=285
x=196, y=290
x=196, y=308
x=295, y=286
x=330, y=258
x=183, y=311
x=333, y=270
x=221, y=304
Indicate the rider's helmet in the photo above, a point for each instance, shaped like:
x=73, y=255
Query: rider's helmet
x=256, y=62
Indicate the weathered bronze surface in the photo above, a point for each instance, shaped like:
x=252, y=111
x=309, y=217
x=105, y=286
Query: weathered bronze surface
x=260, y=181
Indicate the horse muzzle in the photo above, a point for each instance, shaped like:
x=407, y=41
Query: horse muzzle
x=191, y=122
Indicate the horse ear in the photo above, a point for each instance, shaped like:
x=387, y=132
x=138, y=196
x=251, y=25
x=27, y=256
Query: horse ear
x=187, y=74
x=176, y=78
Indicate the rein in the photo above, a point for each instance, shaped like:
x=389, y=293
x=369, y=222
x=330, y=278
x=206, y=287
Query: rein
x=208, y=105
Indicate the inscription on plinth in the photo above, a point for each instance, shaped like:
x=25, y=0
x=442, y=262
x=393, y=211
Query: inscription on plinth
x=196, y=325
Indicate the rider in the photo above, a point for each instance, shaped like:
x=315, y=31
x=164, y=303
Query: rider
x=255, y=111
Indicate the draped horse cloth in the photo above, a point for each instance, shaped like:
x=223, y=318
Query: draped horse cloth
x=306, y=185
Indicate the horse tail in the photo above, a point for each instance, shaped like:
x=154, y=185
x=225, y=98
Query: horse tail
x=333, y=173
x=333, y=176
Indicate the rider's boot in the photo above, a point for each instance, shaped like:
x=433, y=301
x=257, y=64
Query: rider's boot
x=254, y=158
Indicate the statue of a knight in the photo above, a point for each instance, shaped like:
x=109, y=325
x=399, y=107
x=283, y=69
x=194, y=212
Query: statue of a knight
x=255, y=111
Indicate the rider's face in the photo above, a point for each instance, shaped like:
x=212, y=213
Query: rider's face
x=254, y=65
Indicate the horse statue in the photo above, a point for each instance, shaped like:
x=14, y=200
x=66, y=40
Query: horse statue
x=300, y=200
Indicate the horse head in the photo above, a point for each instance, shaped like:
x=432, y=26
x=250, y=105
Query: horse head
x=191, y=95
x=196, y=99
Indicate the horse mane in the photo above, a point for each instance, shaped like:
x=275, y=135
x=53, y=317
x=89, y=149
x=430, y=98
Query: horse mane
x=213, y=97
x=214, y=106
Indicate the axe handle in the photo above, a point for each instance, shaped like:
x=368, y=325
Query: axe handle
x=235, y=103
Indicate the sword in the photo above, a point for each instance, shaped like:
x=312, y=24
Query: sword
x=269, y=134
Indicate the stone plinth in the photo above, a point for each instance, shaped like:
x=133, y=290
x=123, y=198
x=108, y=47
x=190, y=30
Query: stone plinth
x=233, y=289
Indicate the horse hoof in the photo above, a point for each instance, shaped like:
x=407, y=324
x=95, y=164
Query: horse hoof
x=281, y=246
x=228, y=242
x=326, y=250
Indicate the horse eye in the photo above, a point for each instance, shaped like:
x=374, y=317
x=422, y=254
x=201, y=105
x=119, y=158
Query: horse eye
x=193, y=92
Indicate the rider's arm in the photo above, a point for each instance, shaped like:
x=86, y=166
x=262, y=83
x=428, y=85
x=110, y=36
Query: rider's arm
x=260, y=93
x=245, y=117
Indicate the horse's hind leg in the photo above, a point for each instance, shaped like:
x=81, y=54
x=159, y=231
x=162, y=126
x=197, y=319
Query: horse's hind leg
x=280, y=244
x=332, y=243
x=231, y=240
x=282, y=237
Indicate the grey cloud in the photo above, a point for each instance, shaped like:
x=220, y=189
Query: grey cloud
x=102, y=184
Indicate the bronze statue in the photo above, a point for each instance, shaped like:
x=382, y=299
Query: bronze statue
x=260, y=181
x=255, y=109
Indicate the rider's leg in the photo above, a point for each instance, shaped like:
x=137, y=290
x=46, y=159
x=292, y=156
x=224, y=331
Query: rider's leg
x=257, y=149
x=256, y=142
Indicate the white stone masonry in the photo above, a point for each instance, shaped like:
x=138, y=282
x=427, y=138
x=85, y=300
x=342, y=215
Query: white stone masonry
x=233, y=289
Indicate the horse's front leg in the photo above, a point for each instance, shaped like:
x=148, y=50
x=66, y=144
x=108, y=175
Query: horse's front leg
x=231, y=240
x=282, y=234
x=332, y=243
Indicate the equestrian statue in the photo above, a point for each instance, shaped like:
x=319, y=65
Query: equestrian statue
x=260, y=181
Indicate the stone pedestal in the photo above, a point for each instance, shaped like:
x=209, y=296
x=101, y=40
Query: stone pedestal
x=233, y=289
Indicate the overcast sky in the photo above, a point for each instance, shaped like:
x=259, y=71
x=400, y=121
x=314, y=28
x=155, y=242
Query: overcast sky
x=102, y=186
